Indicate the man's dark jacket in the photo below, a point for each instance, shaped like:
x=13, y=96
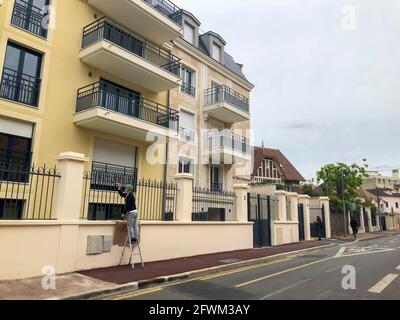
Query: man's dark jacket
x=130, y=201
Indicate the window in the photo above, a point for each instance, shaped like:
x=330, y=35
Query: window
x=397, y=205
x=216, y=179
x=15, y=150
x=31, y=15
x=216, y=52
x=186, y=166
x=188, y=32
x=188, y=81
x=112, y=163
x=20, y=80
x=188, y=126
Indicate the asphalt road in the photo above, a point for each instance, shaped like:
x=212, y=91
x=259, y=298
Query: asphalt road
x=315, y=276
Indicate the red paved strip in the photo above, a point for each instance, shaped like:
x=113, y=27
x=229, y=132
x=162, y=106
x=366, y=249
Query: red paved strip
x=124, y=274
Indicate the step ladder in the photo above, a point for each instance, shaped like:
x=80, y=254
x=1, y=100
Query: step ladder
x=132, y=248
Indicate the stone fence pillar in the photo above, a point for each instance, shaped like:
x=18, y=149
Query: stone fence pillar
x=68, y=199
x=281, y=198
x=184, y=197
x=241, y=209
x=305, y=201
x=324, y=201
x=68, y=204
x=369, y=216
x=294, y=206
x=362, y=221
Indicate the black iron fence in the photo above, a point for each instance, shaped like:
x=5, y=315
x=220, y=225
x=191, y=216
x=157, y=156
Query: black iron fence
x=225, y=94
x=209, y=205
x=156, y=200
x=29, y=17
x=120, y=100
x=19, y=87
x=106, y=29
x=27, y=193
x=226, y=139
x=168, y=9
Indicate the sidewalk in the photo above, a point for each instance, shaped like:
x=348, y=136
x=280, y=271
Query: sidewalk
x=119, y=279
x=366, y=236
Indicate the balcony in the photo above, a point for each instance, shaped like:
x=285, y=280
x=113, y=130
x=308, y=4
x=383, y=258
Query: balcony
x=114, y=49
x=30, y=18
x=226, y=147
x=225, y=104
x=114, y=110
x=19, y=87
x=157, y=20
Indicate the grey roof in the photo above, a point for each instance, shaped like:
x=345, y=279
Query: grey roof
x=228, y=63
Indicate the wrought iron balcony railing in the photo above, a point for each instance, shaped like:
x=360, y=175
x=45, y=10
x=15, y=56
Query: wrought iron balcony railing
x=227, y=139
x=120, y=100
x=225, y=94
x=31, y=18
x=106, y=29
x=168, y=9
x=19, y=87
x=188, y=89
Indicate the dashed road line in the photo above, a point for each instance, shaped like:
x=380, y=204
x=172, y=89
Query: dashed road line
x=383, y=284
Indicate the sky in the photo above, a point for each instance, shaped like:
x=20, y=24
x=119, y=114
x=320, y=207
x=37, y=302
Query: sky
x=327, y=75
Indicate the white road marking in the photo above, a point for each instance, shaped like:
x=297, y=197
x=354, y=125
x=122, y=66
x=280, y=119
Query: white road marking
x=398, y=268
x=381, y=285
x=285, y=289
x=340, y=252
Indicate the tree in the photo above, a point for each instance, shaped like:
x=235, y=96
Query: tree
x=336, y=176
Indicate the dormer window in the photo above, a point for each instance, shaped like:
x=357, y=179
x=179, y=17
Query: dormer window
x=188, y=32
x=216, y=52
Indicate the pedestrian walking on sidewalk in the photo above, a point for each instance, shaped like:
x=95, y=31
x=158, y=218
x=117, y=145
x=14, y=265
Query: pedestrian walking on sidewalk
x=354, y=226
x=130, y=210
x=319, y=226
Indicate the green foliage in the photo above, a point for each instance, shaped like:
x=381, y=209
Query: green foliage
x=332, y=176
x=309, y=190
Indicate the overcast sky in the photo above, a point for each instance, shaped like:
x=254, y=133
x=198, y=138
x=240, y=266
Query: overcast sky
x=324, y=93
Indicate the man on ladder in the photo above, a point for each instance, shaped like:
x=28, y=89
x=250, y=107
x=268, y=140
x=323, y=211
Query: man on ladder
x=131, y=214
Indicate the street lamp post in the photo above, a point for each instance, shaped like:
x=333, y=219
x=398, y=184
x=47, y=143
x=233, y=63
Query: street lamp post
x=344, y=207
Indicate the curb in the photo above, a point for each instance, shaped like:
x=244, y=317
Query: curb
x=145, y=284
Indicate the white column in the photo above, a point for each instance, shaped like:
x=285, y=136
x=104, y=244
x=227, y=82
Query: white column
x=362, y=222
x=324, y=201
x=378, y=221
x=281, y=198
x=305, y=201
x=370, y=228
x=350, y=231
x=68, y=199
x=184, y=197
x=241, y=191
x=68, y=202
x=294, y=202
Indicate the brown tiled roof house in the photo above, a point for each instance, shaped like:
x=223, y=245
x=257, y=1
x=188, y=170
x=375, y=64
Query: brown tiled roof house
x=289, y=172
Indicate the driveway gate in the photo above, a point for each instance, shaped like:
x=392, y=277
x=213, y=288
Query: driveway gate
x=259, y=211
x=302, y=235
x=314, y=213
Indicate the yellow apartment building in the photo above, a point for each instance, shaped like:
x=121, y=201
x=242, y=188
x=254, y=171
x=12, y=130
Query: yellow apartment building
x=91, y=77
x=96, y=77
